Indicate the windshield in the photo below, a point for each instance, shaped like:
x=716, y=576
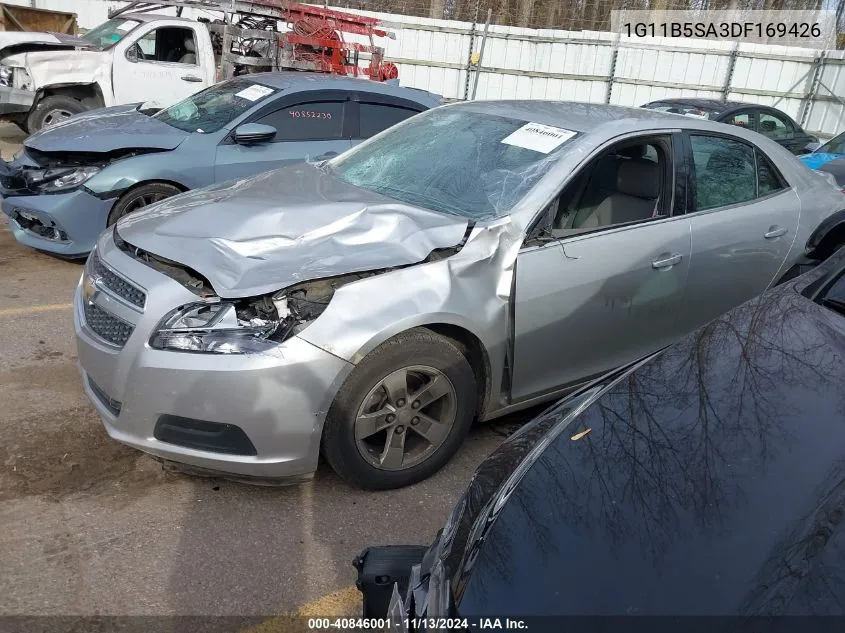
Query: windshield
x=211, y=109
x=110, y=32
x=456, y=161
x=836, y=145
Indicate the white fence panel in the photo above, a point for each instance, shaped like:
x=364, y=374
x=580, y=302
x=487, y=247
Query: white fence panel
x=522, y=63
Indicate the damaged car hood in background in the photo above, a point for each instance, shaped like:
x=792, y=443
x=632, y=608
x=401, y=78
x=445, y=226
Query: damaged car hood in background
x=17, y=42
x=259, y=235
x=106, y=130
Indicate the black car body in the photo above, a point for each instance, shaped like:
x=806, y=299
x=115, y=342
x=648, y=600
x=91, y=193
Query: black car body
x=705, y=480
x=768, y=121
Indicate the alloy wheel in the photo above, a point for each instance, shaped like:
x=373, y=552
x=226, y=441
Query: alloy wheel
x=405, y=418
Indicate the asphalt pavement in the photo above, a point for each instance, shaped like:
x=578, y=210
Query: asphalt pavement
x=88, y=526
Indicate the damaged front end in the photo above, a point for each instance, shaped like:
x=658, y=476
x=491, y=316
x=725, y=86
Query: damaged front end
x=247, y=326
x=235, y=326
x=34, y=173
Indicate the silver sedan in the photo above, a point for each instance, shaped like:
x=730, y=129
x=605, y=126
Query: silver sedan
x=471, y=261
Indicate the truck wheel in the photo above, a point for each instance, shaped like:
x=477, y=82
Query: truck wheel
x=140, y=197
x=52, y=110
x=402, y=413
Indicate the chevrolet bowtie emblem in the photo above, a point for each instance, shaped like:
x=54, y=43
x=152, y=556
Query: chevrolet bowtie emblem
x=89, y=289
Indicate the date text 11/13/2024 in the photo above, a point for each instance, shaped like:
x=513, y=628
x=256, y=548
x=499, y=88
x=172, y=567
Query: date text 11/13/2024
x=418, y=624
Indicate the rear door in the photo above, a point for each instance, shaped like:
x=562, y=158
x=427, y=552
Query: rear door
x=594, y=298
x=743, y=217
x=373, y=113
x=309, y=127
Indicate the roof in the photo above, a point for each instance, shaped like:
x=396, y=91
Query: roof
x=295, y=81
x=600, y=122
x=572, y=115
x=151, y=17
x=705, y=104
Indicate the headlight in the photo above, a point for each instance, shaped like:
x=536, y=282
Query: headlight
x=52, y=180
x=248, y=326
x=214, y=328
x=5, y=75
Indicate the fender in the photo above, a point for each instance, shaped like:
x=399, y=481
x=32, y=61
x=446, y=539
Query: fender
x=827, y=237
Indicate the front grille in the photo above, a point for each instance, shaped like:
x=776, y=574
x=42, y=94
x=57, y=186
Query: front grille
x=106, y=326
x=115, y=284
x=109, y=403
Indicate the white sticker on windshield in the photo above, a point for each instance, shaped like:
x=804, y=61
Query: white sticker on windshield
x=126, y=26
x=254, y=92
x=538, y=137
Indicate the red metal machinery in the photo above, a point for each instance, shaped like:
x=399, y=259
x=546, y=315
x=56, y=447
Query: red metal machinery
x=314, y=41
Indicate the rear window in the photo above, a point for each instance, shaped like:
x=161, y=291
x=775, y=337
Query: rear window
x=687, y=110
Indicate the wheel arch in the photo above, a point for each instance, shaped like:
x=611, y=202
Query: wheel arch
x=454, y=328
x=829, y=234
x=89, y=94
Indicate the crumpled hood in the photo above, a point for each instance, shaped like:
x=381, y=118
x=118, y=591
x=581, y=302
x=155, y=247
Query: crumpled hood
x=106, y=130
x=259, y=235
x=46, y=40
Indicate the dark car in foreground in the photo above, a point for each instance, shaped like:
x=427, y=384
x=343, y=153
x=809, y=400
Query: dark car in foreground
x=705, y=480
x=771, y=122
x=74, y=179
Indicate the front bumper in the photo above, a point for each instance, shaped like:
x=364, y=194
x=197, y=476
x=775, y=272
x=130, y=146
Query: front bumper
x=65, y=224
x=15, y=100
x=279, y=400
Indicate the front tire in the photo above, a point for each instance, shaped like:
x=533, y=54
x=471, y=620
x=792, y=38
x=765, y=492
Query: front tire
x=403, y=412
x=140, y=197
x=52, y=110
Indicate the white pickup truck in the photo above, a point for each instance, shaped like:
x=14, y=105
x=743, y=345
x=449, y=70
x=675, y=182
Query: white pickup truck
x=136, y=57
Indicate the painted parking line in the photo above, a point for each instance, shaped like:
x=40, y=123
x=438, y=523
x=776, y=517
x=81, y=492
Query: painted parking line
x=52, y=307
x=344, y=602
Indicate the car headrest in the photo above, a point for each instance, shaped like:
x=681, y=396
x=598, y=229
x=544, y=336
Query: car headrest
x=768, y=126
x=638, y=178
x=189, y=44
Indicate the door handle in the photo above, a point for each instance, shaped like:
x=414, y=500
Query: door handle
x=191, y=78
x=667, y=261
x=774, y=231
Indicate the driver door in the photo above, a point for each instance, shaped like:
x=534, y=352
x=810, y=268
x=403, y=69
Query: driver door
x=160, y=65
x=310, y=129
x=605, y=284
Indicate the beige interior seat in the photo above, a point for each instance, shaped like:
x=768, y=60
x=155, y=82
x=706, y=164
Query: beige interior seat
x=635, y=197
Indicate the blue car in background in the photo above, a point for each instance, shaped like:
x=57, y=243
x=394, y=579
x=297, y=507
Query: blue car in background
x=829, y=158
x=73, y=180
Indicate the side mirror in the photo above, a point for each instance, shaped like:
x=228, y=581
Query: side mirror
x=812, y=147
x=250, y=133
x=132, y=54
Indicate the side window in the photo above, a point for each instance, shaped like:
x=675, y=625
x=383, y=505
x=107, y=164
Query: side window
x=168, y=44
x=768, y=178
x=628, y=183
x=740, y=119
x=775, y=127
x=316, y=121
x=725, y=172
x=378, y=117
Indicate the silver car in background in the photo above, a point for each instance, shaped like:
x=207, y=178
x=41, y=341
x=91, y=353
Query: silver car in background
x=473, y=260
